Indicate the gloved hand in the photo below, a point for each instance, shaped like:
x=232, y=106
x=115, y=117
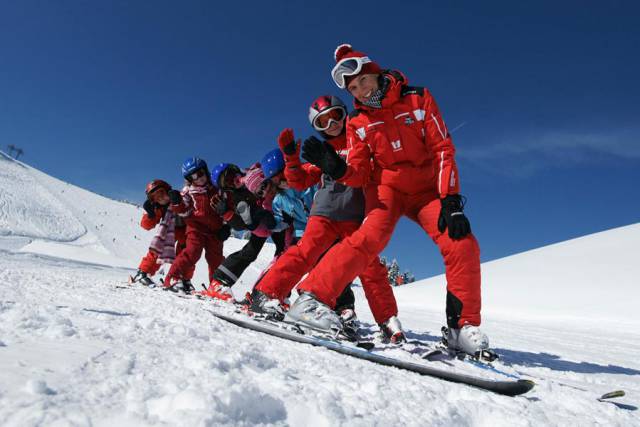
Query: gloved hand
x=219, y=203
x=224, y=233
x=324, y=156
x=287, y=218
x=149, y=208
x=175, y=197
x=265, y=217
x=452, y=218
x=287, y=142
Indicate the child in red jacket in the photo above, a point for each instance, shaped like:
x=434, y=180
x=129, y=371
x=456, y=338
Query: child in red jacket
x=170, y=239
x=205, y=228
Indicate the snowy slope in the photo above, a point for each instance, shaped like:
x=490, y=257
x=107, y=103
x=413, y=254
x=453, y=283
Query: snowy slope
x=43, y=215
x=590, y=279
x=78, y=346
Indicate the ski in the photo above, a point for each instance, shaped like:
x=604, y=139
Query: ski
x=611, y=395
x=512, y=387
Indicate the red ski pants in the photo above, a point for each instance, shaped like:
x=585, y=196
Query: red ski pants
x=185, y=263
x=384, y=207
x=319, y=235
x=149, y=263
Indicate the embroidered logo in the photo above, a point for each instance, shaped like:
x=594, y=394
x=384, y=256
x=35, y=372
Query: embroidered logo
x=409, y=121
x=396, y=145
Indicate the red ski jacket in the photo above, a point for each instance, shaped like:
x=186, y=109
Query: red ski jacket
x=405, y=144
x=196, y=209
x=149, y=223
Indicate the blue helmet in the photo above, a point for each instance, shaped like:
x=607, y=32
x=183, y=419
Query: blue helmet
x=193, y=164
x=272, y=163
x=219, y=171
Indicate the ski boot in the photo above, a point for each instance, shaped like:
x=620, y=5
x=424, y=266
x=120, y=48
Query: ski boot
x=349, y=319
x=143, y=278
x=308, y=312
x=261, y=303
x=391, y=331
x=172, y=285
x=468, y=341
x=218, y=290
x=187, y=287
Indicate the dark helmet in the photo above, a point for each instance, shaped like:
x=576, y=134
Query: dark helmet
x=156, y=184
x=323, y=105
x=272, y=163
x=220, y=171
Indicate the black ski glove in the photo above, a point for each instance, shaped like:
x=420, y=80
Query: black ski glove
x=452, y=218
x=149, y=208
x=324, y=156
x=175, y=197
x=224, y=233
x=219, y=203
x=265, y=217
x=287, y=218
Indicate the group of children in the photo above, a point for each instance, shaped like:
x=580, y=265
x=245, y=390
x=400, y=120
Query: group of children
x=302, y=211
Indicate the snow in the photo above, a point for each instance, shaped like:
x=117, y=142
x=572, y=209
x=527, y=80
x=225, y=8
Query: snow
x=590, y=279
x=79, y=346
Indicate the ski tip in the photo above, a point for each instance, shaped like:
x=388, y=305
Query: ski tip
x=612, y=395
x=522, y=386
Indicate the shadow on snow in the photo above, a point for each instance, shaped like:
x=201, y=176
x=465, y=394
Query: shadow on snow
x=540, y=360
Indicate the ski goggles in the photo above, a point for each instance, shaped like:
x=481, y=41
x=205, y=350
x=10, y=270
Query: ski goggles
x=346, y=68
x=197, y=174
x=324, y=120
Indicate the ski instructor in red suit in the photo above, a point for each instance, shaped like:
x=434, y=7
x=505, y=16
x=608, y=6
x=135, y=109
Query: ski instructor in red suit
x=401, y=153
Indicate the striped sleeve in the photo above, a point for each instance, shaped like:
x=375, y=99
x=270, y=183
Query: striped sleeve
x=439, y=140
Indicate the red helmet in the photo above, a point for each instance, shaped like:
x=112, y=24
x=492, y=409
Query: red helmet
x=156, y=184
x=326, y=104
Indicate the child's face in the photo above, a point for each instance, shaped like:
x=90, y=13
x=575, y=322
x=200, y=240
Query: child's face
x=201, y=180
x=231, y=180
x=335, y=129
x=199, y=177
x=279, y=182
x=160, y=197
x=237, y=181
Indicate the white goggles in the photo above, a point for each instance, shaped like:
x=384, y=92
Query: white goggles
x=338, y=111
x=348, y=67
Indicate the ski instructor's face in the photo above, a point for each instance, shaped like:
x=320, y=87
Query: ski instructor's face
x=362, y=87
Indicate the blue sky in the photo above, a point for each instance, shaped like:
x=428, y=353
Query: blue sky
x=543, y=97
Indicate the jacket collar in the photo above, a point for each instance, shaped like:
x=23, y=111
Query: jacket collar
x=396, y=81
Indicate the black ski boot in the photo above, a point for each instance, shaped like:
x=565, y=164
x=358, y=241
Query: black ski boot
x=261, y=303
x=349, y=319
x=187, y=287
x=143, y=278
